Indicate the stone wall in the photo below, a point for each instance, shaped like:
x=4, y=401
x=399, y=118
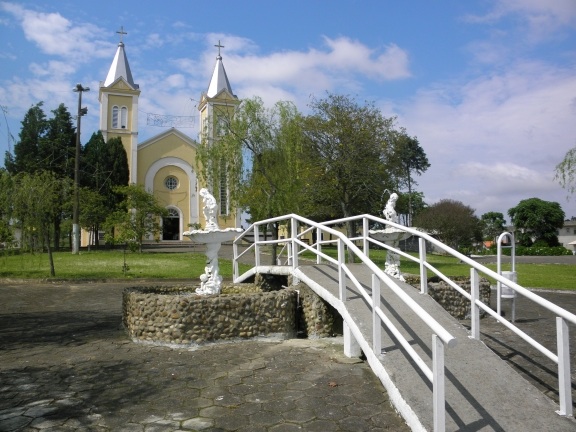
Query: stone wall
x=317, y=318
x=178, y=316
x=455, y=303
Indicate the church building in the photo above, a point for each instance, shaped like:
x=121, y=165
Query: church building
x=166, y=163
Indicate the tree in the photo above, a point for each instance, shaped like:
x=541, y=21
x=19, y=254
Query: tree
x=409, y=159
x=493, y=224
x=93, y=212
x=6, y=204
x=57, y=149
x=26, y=150
x=409, y=205
x=258, y=156
x=137, y=219
x=104, y=166
x=537, y=220
x=452, y=222
x=347, y=148
x=36, y=199
x=47, y=145
x=57, y=153
x=566, y=171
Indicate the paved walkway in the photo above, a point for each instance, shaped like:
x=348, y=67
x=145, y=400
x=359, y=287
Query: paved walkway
x=67, y=365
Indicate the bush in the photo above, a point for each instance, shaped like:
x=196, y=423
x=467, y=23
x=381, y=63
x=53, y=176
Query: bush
x=535, y=251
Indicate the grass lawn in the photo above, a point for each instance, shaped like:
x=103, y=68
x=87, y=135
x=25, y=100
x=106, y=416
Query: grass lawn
x=110, y=265
x=190, y=265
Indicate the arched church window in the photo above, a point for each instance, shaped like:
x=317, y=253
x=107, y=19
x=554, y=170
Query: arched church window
x=124, y=117
x=171, y=182
x=172, y=213
x=115, y=116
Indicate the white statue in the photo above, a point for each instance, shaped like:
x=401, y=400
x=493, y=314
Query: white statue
x=212, y=236
x=210, y=210
x=390, y=209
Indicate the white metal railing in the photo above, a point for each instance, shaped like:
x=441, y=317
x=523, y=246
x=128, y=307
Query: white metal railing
x=561, y=357
x=294, y=247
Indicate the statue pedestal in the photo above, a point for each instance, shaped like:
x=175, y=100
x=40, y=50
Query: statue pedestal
x=211, y=281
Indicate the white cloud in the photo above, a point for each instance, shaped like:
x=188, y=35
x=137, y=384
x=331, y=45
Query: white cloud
x=495, y=140
x=56, y=35
x=343, y=56
x=537, y=20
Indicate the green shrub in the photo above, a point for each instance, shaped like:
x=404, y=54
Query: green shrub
x=535, y=251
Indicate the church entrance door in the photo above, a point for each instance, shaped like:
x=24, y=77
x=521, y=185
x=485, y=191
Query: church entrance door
x=171, y=226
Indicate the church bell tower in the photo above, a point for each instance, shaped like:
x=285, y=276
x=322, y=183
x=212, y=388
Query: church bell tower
x=118, y=98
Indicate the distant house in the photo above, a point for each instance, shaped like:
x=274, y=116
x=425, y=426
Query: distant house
x=567, y=234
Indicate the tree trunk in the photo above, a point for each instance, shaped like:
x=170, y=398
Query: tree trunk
x=97, y=236
x=57, y=233
x=350, y=229
x=275, y=229
x=50, y=257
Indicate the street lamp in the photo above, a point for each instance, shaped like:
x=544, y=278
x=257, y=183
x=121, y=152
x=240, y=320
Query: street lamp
x=76, y=214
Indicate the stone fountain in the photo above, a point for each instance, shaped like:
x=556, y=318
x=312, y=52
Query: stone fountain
x=391, y=236
x=213, y=237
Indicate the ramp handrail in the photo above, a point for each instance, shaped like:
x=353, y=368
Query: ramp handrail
x=563, y=317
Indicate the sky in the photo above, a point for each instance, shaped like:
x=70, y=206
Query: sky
x=488, y=87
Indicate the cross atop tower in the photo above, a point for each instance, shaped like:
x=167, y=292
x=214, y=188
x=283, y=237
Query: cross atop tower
x=121, y=32
x=219, y=46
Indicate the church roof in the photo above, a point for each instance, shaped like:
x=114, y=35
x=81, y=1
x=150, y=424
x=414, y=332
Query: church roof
x=219, y=79
x=120, y=68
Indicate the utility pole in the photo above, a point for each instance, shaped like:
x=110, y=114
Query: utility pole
x=76, y=214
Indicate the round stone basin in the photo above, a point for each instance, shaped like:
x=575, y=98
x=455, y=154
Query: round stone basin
x=389, y=235
x=178, y=316
x=212, y=236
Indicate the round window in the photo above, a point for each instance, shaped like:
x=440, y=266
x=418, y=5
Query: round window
x=171, y=182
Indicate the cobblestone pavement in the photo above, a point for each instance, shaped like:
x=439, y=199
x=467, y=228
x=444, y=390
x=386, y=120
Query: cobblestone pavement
x=67, y=365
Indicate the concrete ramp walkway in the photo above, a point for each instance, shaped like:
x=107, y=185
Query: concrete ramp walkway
x=483, y=393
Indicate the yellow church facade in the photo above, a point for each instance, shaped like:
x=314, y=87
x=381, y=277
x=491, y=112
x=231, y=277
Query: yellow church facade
x=165, y=164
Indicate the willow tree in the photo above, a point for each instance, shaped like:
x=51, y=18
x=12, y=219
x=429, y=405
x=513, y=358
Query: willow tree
x=258, y=155
x=36, y=199
x=566, y=172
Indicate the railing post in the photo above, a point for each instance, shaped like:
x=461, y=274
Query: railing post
x=439, y=408
x=474, y=309
x=295, y=248
x=351, y=347
x=257, y=245
x=376, y=324
x=289, y=248
x=341, y=272
x=365, y=235
x=423, y=269
x=318, y=245
x=564, y=379
x=235, y=270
